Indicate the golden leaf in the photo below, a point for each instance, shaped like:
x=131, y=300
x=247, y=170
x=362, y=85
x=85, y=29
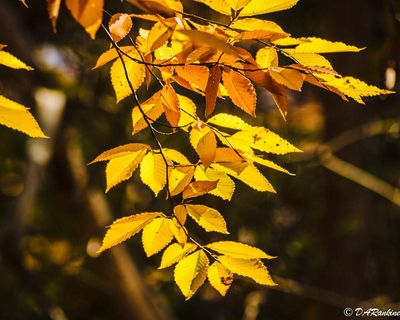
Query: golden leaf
x=16, y=116
x=227, y=120
x=179, y=178
x=198, y=188
x=256, y=7
x=135, y=72
x=208, y=218
x=153, y=172
x=290, y=78
x=253, y=269
x=111, y=55
x=156, y=236
x=225, y=186
x=238, y=250
x=53, y=7
x=122, y=167
x=191, y=272
x=222, y=6
x=8, y=60
x=89, y=14
x=170, y=102
x=220, y=277
x=124, y=228
x=267, y=57
x=175, y=253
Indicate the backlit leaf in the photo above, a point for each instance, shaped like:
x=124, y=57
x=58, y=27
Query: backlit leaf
x=179, y=178
x=121, y=168
x=8, y=60
x=256, y=7
x=53, y=7
x=222, y=6
x=229, y=121
x=135, y=72
x=290, y=78
x=208, y=218
x=241, y=91
x=120, y=25
x=156, y=236
x=124, y=228
x=253, y=269
x=225, y=186
x=111, y=55
x=220, y=277
x=238, y=250
x=89, y=14
x=212, y=89
x=316, y=45
x=16, y=116
x=153, y=172
x=191, y=272
x=198, y=188
x=175, y=253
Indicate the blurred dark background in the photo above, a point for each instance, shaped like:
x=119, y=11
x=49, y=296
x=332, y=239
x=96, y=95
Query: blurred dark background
x=335, y=226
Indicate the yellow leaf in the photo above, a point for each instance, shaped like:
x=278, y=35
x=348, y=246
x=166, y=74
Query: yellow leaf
x=267, y=163
x=250, y=176
x=178, y=231
x=176, y=156
x=225, y=186
x=260, y=35
x=191, y=272
x=316, y=45
x=238, y=250
x=8, y=60
x=180, y=213
x=111, y=55
x=198, y=188
x=208, y=218
x=253, y=269
x=179, y=178
x=120, y=25
x=188, y=111
x=309, y=59
x=53, y=7
x=151, y=108
x=136, y=73
x=250, y=24
x=232, y=159
x=153, y=172
x=156, y=236
x=120, y=151
x=220, y=277
x=163, y=7
x=290, y=78
x=267, y=57
x=121, y=168
x=256, y=7
x=356, y=89
x=261, y=139
x=205, y=143
x=229, y=121
x=221, y=6
x=16, y=116
x=241, y=91
x=126, y=227
x=175, y=253
x=89, y=14
x=237, y=4
x=159, y=34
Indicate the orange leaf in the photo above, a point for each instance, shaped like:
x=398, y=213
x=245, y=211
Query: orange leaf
x=199, y=188
x=241, y=91
x=159, y=35
x=206, y=148
x=170, y=102
x=212, y=89
x=53, y=6
x=195, y=75
x=120, y=25
x=89, y=14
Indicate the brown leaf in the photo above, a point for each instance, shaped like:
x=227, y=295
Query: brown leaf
x=241, y=91
x=212, y=89
x=120, y=25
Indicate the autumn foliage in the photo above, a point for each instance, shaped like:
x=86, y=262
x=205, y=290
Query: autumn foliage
x=210, y=58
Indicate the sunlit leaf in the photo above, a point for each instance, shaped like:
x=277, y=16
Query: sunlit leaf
x=175, y=253
x=156, y=236
x=220, y=277
x=124, y=228
x=153, y=172
x=238, y=250
x=208, y=218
